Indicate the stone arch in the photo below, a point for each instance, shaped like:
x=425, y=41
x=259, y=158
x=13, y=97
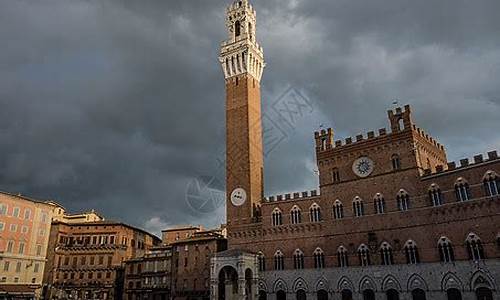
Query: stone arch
x=481, y=280
x=417, y=282
x=322, y=284
x=390, y=282
x=345, y=284
x=280, y=284
x=450, y=281
x=300, y=284
x=367, y=283
x=262, y=285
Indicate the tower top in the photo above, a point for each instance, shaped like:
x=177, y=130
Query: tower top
x=240, y=53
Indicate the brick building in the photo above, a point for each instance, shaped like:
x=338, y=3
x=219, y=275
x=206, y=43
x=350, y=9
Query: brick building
x=24, y=236
x=392, y=218
x=87, y=259
x=149, y=277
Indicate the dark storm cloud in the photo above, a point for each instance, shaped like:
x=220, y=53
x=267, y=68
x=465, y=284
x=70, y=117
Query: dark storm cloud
x=118, y=105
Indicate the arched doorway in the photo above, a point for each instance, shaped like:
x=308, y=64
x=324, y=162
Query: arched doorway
x=249, y=294
x=453, y=294
x=262, y=295
x=346, y=295
x=228, y=283
x=392, y=294
x=368, y=295
x=281, y=295
x=418, y=294
x=301, y=295
x=484, y=293
x=322, y=295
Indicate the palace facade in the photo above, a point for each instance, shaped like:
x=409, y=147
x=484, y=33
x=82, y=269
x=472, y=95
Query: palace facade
x=392, y=218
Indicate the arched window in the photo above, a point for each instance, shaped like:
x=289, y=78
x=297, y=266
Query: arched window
x=386, y=254
x=342, y=257
x=280, y=295
x=491, y=183
x=462, y=190
x=335, y=175
x=322, y=295
x=474, y=247
x=396, y=162
x=357, y=206
x=418, y=294
x=262, y=261
x=315, y=213
x=346, y=294
x=368, y=294
x=435, y=195
x=379, y=203
x=237, y=29
x=403, y=200
x=298, y=259
x=445, y=248
x=453, y=294
x=277, y=218
x=411, y=252
x=392, y=294
x=319, y=259
x=279, y=261
x=338, y=210
x=295, y=217
x=250, y=30
x=363, y=255
x=300, y=295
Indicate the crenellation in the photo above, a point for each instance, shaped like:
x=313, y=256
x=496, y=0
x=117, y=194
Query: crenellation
x=288, y=196
x=492, y=155
x=371, y=134
x=338, y=143
x=478, y=158
x=464, y=162
x=348, y=141
x=451, y=165
x=359, y=138
x=305, y=194
x=296, y=195
x=382, y=131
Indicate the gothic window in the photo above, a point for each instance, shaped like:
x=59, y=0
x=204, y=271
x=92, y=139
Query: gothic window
x=435, y=195
x=364, y=255
x=315, y=213
x=237, y=28
x=462, y=190
x=298, y=259
x=386, y=254
x=277, y=218
x=250, y=30
x=403, y=200
x=445, y=248
x=491, y=183
x=262, y=261
x=357, y=206
x=342, y=257
x=379, y=203
x=279, y=261
x=323, y=144
x=319, y=259
x=396, y=162
x=295, y=217
x=474, y=247
x=411, y=253
x=335, y=175
x=338, y=210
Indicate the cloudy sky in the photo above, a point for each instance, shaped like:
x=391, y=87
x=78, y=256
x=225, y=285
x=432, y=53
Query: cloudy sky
x=118, y=105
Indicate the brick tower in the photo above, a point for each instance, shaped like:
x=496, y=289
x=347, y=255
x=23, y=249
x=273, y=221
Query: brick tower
x=242, y=61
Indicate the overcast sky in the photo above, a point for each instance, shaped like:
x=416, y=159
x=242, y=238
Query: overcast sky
x=119, y=105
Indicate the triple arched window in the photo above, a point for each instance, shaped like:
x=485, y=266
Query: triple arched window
x=445, y=248
x=342, y=257
x=364, y=255
x=379, y=203
x=295, y=216
x=462, y=190
x=491, y=182
x=386, y=254
x=277, y=217
x=319, y=259
x=298, y=259
x=357, y=206
x=279, y=260
x=474, y=247
x=411, y=253
x=435, y=195
x=315, y=213
x=403, y=200
x=396, y=162
x=338, y=210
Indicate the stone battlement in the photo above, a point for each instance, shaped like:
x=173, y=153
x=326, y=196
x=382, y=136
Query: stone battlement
x=293, y=196
x=463, y=163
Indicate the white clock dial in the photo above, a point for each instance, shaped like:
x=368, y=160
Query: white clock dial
x=238, y=197
x=363, y=166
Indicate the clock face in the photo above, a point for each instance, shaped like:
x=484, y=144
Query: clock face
x=363, y=166
x=238, y=197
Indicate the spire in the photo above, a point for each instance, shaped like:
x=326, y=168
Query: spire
x=241, y=53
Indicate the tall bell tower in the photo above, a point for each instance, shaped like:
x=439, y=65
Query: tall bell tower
x=242, y=61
